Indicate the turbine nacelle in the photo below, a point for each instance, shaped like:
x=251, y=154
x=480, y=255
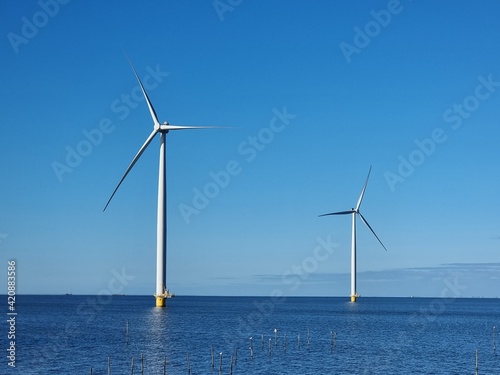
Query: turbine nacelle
x=162, y=127
x=356, y=211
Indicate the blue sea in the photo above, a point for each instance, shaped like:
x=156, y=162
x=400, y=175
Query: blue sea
x=256, y=335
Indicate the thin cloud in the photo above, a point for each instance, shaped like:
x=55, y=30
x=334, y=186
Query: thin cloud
x=411, y=273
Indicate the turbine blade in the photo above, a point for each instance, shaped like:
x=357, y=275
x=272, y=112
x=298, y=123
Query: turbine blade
x=369, y=227
x=363, y=191
x=184, y=127
x=134, y=160
x=338, y=213
x=150, y=106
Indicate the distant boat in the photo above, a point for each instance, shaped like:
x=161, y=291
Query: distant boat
x=118, y=294
x=67, y=294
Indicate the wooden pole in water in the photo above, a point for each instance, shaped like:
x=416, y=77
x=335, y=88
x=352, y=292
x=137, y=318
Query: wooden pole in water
x=284, y=343
x=494, y=338
x=91, y=371
x=269, y=347
x=132, y=367
x=275, y=337
x=235, y=355
x=220, y=363
x=189, y=365
x=262, y=337
x=126, y=332
x=231, y=367
x=142, y=364
x=251, y=347
x=212, y=355
x=109, y=366
x=164, y=364
x=308, y=338
x=298, y=341
x=477, y=363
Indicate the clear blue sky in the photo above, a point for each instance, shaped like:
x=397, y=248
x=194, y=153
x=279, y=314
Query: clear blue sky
x=410, y=87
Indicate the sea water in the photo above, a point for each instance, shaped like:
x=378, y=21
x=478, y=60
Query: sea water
x=72, y=334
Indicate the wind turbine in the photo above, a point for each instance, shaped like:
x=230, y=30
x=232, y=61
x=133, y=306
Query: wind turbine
x=161, y=239
x=354, y=212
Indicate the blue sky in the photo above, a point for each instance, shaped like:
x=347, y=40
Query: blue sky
x=316, y=93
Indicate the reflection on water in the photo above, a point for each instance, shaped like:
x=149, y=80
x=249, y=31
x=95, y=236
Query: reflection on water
x=157, y=324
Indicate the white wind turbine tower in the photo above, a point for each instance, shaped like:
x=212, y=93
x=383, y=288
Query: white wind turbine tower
x=354, y=212
x=161, y=247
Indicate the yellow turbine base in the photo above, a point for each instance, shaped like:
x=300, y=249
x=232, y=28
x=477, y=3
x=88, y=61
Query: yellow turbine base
x=354, y=298
x=160, y=301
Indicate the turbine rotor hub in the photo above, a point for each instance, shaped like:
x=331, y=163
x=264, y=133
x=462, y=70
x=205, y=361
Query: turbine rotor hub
x=164, y=127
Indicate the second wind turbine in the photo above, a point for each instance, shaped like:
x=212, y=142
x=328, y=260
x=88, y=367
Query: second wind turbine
x=354, y=212
x=161, y=239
